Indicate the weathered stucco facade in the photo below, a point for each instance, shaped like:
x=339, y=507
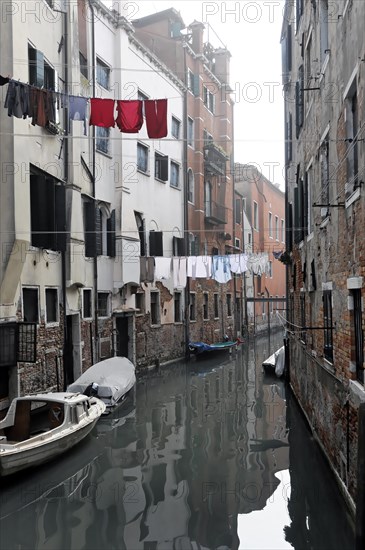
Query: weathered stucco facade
x=323, y=77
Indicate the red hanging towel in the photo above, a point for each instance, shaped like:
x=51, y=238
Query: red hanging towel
x=102, y=112
x=156, y=117
x=130, y=115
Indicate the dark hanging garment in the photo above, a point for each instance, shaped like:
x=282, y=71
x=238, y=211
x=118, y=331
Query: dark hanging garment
x=102, y=112
x=130, y=116
x=4, y=80
x=156, y=117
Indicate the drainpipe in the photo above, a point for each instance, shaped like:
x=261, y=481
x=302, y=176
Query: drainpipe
x=95, y=259
x=186, y=216
x=236, y=323
x=64, y=183
x=244, y=275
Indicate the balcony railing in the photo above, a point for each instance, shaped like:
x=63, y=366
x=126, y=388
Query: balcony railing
x=215, y=213
x=215, y=159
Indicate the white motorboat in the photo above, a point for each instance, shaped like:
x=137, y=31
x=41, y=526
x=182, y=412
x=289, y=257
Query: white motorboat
x=37, y=428
x=110, y=380
x=276, y=362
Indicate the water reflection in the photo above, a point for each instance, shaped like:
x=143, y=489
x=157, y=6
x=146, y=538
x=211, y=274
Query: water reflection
x=204, y=457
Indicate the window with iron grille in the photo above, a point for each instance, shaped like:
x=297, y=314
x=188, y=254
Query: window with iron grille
x=229, y=305
x=30, y=305
x=87, y=303
x=102, y=139
x=205, y=306
x=192, y=307
x=216, y=306
x=174, y=174
x=52, y=305
x=327, y=323
x=103, y=304
x=175, y=127
x=155, y=308
x=177, y=307
x=142, y=157
x=102, y=74
x=303, y=334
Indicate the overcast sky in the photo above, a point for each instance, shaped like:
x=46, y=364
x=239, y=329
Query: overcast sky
x=251, y=32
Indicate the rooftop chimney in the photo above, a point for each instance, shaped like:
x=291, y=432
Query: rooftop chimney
x=197, y=34
x=221, y=71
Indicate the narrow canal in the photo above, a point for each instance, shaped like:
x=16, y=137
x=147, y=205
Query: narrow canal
x=206, y=455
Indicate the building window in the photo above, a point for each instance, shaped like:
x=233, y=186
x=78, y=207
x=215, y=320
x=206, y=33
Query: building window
x=325, y=183
x=255, y=215
x=52, y=305
x=303, y=334
x=216, y=306
x=323, y=19
x=269, y=274
x=175, y=127
x=308, y=199
x=161, y=167
x=41, y=74
x=192, y=307
x=83, y=65
x=299, y=100
x=229, y=305
x=139, y=297
x=270, y=225
x=142, y=158
x=359, y=336
x=30, y=305
x=174, y=174
x=238, y=210
x=190, y=80
x=282, y=231
x=87, y=303
x=190, y=132
x=327, y=323
x=102, y=74
x=190, y=186
x=102, y=139
x=142, y=233
x=205, y=306
x=155, y=308
x=177, y=307
x=352, y=130
x=47, y=212
x=276, y=228
x=209, y=99
x=103, y=304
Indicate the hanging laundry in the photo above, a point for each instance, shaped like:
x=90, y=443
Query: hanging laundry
x=17, y=99
x=162, y=268
x=258, y=264
x=42, y=107
x=220, y=269
x=277, y=255
x=203, y=268
x=4, y=80
x=77, y=109
x=102, y=112
x=238, y=263
x=191, y=267
x=130, y=116
x=147, y=269
x=179, y=272
x=156, y=117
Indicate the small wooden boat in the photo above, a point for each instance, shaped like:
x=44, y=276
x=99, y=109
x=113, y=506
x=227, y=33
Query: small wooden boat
x=37, y=428
x=109, y=380
x=199, y=348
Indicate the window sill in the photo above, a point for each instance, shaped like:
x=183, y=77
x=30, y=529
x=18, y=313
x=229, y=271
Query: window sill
x=160, y=180
x=142, y=172
x=324, y=223
x=87, y=318
x=178, y=188
x=52, y=324
x=353, y=197
x=324, y=66
x=107, y=155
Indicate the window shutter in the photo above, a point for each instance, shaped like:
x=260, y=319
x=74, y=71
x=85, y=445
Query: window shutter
x=98, y=232
x=196, y=88
x=42, y=204
x=111, y=235
x=178, y=246
x=36, y=63
x=89, y=225
x=289, y=228
x=156, y=246
x=296, y=216
x=60, y=222
x=300, y=210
